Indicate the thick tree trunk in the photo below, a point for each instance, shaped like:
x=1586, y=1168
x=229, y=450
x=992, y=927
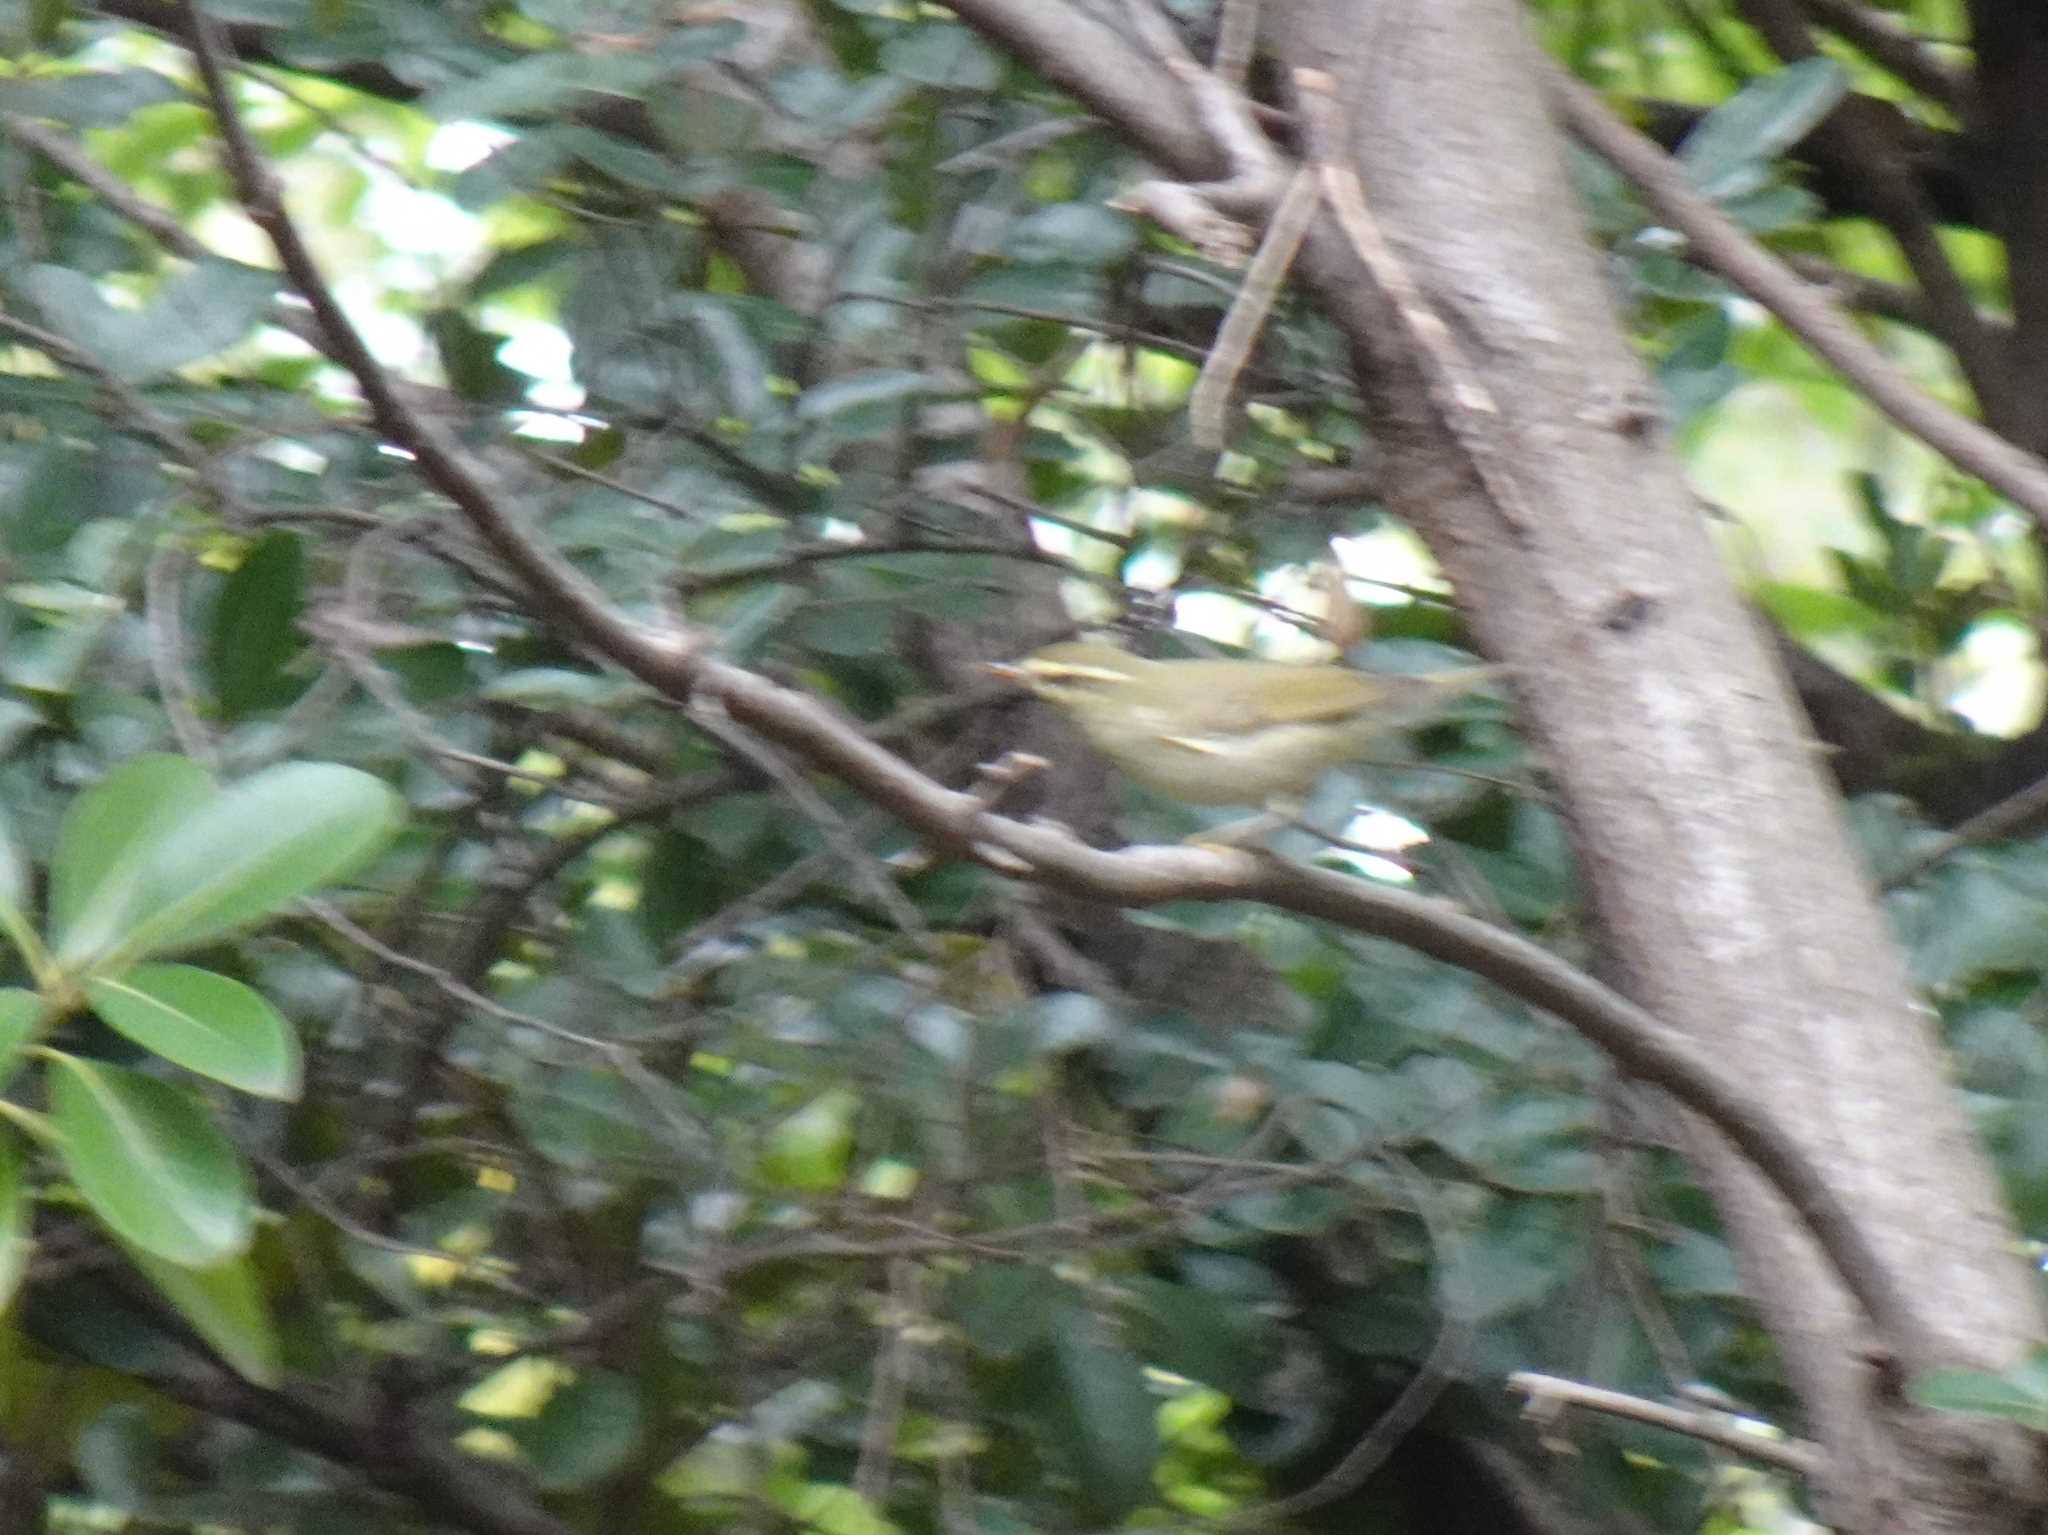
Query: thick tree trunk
x=1727, y=894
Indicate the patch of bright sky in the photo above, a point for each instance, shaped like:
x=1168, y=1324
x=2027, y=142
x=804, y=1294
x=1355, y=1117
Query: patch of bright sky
x=418, y=241
x=2006, y=690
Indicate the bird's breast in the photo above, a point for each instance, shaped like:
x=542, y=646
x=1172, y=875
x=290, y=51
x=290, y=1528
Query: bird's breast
x=1241, y=767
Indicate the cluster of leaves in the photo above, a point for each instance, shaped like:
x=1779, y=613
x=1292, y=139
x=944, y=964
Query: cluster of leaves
x=643, y=1145
x=154, y=859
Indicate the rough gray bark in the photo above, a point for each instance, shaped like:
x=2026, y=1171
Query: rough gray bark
x=1727, y=895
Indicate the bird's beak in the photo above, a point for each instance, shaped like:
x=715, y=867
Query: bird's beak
x=1008, y=671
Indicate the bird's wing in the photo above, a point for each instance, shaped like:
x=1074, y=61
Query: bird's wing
x=1295, y=695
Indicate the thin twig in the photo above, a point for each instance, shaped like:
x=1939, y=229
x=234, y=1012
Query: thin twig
x=1803, y=309
x=1467, y=408
x=163, y=595
x=1714, y=1428
x=1248, y=312
x=866, y=869
x=2006, y=818
x=1237, y=34
x=1895, y=45
x=1418, y=1394
x=682, y=664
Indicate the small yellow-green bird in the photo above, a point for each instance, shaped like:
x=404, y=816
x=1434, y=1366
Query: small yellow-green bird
x=1231, y=732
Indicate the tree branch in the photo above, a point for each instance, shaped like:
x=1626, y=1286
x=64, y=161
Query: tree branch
x=396, y=1457
x=1893, y=44
x=1860, y=131
x=1548, y=1393
x=680, y=665
x=1721, y=244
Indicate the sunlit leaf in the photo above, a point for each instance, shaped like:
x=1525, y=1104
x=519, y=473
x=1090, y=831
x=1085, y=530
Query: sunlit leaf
x=586, y=1431
x=810, y=1149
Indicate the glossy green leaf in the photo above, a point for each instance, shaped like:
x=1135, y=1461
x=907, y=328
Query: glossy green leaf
x=94, y=873
x=1517, y=1254
x=97, y=99
x=1079, y=232
x=1970, y=918
x=119, y=1456
x=149, y=1162
x=224, y=1303
x=255, y=633
x=208, y=1023
x=256, y=845
x=889, y=388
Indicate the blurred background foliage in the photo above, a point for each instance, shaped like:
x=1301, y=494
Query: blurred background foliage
x=677, y=1144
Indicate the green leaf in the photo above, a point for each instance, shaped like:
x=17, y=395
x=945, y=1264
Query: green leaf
x=257, y=845
x=208, y=1023
x=102, y=838
x=14, y=886
x=1216, y=1339
x=587, y=1430
x=207, y=309
x=119, y=1457
x=1520, y=1252
x=20, y=1012
x=2022, y=1397
x=255, y=633
x=149, y=1162
x=886, y=387
x=1006, y=1309
x=944, y=54
x=1078, y=232
x=46, y=19
x=541, y=82
x=1109, y=1431
x=810, y=1150
x=827, y=1508
x=1729, y=152
x=1971, y=918
x=224, y=1303
x=98, y=99
x=15, y=1245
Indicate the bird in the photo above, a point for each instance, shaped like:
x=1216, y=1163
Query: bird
x=1228, y=732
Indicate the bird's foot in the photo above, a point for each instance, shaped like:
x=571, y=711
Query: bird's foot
x=1242, y=834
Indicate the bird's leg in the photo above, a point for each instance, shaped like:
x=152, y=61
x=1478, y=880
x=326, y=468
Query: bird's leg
x=1278, y=813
